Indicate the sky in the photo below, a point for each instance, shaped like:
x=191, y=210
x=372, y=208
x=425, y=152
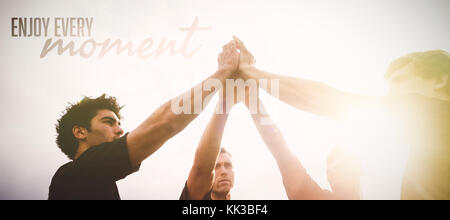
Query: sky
x=347, y=44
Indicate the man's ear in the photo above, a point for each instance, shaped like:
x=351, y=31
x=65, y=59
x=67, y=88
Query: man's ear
x=440, y=82
x=80, y=133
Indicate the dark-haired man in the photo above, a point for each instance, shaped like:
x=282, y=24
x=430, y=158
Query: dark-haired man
x=89, y=134
x=212, y=175
x=419, y=102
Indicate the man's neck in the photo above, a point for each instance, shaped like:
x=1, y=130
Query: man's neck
x=81, y=149
x=220, y=196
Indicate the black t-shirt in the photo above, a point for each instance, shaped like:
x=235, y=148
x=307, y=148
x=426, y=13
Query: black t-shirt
x=185, y=194
x=94, y=174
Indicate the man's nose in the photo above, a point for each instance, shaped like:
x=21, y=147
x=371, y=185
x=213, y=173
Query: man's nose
x=119, y=131
x=223, y=172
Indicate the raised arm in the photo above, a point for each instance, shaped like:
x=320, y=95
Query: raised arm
x=164, y=123
x=303, y=94
x=201, y=176
x=297, y=183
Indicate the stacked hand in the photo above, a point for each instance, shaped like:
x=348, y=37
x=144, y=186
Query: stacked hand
x=229, y=58
x=232, y=60
x=246, y=59
x=235, y=62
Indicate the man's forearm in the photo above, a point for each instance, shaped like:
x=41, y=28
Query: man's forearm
x=274, y=141
x=271, y=136
x=295, y=177
x=209, y=146
x=180, y=121
x=164, y=123
x=307, y=95
x=201, y=176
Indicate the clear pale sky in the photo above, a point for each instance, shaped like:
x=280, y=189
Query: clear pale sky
x=347, y=44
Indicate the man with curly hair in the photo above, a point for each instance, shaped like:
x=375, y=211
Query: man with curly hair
x=89, y=133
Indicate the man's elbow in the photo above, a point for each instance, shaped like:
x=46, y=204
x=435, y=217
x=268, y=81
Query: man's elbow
x=167, y=121
x=171, y=122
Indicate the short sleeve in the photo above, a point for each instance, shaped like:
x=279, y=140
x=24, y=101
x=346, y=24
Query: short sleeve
x=185, y=194
x=109, y=161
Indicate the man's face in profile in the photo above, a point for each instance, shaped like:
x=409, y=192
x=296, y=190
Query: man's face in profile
x=105, y=127
x=224, y=174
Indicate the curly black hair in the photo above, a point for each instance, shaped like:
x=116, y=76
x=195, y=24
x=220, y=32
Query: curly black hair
x=81, y=114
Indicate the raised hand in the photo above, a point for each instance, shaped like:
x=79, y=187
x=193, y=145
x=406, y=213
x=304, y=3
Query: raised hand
x=229, y=58
x=246, y=58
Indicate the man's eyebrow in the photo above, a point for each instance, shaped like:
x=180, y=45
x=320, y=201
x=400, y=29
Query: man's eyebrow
x=110, y=118
x=224, y=164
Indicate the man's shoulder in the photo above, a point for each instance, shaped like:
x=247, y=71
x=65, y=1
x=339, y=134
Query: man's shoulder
x=65, y=167
x=63, y=170
x=61, y=177
x=119, y=145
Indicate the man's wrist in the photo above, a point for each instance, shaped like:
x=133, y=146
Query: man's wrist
x=246, y=71
x=225, y=73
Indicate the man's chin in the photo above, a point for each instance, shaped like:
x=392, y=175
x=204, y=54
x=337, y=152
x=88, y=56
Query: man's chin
x=224, y=190
x=115, y=138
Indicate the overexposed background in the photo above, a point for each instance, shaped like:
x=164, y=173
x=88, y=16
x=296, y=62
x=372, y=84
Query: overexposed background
x=347, y=44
